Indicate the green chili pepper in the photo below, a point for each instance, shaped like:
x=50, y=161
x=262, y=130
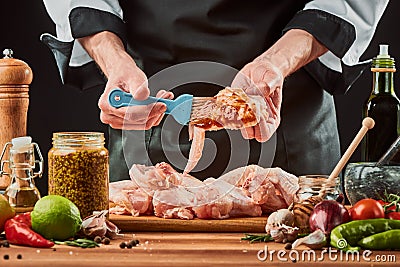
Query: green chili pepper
x=385, y=240
x=347, y=235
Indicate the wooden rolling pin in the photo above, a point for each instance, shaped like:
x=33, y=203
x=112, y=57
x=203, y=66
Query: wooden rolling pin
x=15, y=77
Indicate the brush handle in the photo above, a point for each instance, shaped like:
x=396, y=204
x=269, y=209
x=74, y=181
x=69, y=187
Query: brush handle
x=180, y=108
x=119, y=98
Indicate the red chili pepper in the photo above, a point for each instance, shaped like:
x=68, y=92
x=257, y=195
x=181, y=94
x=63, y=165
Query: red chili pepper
x=393, y=215
x=18, y=232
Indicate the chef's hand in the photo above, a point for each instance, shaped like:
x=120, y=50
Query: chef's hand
x=128, y=77
x=122, y=72
x=264, y=76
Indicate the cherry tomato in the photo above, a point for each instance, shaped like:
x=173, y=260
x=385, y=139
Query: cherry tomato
x=367, y=209
x=393, y=215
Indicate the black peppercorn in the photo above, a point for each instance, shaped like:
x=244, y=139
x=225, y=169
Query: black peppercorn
x=19, y=256
x=6, y=257
x=288, y=246
x=129, y=245
x=132, y=243
x=106, y=241
x=122, y=245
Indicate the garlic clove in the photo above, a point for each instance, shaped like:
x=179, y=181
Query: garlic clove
x=112, y=230
x=315, y=240
x=95, y=225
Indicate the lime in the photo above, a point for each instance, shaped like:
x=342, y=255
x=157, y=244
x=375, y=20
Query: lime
x=6, y=212
x=56, y=217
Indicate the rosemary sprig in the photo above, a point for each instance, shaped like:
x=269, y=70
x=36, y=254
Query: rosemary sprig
x=257, y=238
x=82, y=242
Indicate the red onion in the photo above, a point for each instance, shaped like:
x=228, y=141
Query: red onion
x=327, y=215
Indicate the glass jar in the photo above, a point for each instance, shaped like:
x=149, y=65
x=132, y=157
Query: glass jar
x=311, y=185
x=78, y=170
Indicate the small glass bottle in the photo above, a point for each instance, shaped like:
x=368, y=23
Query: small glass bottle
x=383, y=106
x=78, y=170
x=22, y=193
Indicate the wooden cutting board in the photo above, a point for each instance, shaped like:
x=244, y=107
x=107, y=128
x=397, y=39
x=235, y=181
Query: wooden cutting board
x=155, y=224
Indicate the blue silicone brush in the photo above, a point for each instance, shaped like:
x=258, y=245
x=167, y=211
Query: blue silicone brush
x=180, y=108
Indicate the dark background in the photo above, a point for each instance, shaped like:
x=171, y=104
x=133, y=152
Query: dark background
x=54, y=107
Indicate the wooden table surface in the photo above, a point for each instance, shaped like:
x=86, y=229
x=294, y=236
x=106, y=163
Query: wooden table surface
x=185, y=249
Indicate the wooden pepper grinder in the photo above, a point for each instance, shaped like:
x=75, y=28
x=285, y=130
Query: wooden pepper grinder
x=15, y=78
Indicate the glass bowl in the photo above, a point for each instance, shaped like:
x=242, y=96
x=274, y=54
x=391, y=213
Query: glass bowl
x=365, y=180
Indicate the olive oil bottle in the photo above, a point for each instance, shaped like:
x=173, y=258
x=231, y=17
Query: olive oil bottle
x=383, y=106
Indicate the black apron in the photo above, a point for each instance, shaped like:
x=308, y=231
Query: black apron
x=162, y=34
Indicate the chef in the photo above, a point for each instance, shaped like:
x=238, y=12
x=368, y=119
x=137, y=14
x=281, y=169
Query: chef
x=296, y=54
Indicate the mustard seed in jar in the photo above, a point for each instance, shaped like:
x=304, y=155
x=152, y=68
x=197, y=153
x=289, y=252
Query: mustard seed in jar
x=78, y=170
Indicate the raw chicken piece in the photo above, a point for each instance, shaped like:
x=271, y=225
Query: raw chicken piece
x=159, y=177
x=265, y=193
x=207, y=202
x=231, y=109
x=126, y=198
x=149, y=178
x=118, y=197
x=239, y=176
x=168, y=188
x=212, y=203
x=175, y=202
x=196, y=149
x=225, y=200
x=272, y=188
x=115, y=187
x=287, y=184
x=219, y=209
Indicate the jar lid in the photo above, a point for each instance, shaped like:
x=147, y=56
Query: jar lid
x=78, y=139
x=14, y=71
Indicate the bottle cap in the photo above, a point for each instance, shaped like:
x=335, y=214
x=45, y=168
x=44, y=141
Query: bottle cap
x=383, y=61
x=383, y=51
